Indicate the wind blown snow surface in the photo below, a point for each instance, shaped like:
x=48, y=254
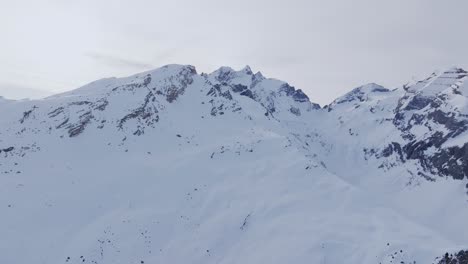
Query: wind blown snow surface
x=172, y=166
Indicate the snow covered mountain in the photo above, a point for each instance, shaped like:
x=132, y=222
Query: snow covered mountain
x=172, y=166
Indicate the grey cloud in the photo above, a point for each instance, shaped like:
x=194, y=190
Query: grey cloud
x=119, y=62
x=18, y=91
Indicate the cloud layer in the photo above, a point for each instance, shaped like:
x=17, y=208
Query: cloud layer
x=323, y=47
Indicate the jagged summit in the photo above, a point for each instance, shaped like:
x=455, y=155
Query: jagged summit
x=247, y=70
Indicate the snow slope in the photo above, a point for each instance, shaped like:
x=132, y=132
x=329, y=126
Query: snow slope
x=172, y=166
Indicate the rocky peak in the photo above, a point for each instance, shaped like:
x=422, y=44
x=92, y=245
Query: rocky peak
x=298, y=95
x=247, y=70
x=177, y=69
x=229, y=76
x=359, y=95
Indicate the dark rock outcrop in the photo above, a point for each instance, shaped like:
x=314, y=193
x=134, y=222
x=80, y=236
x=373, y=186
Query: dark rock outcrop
x=460, y=257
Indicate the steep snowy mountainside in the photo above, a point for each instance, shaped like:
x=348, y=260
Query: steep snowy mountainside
x=137, y=102
x=418, y=123
x=172, y=166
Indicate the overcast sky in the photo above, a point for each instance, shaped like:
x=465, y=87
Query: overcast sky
x=324, y=47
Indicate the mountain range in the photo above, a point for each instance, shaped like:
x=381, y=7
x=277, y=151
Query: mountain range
x=173, y=166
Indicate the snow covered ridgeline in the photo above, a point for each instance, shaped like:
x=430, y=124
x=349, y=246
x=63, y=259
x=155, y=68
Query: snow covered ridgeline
x=171, y=166
x=424, y=122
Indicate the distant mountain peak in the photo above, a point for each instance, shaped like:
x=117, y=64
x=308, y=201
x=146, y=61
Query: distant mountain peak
x=247, y=70
x=359, y=94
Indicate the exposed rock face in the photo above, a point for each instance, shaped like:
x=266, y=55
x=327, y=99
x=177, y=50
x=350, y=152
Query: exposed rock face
x=146, y=115
x=458, y=258
x=431, y=106
x=297, y=95
x=174, y=86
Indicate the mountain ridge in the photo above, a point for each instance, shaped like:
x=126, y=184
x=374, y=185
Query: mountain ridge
x=246, y=69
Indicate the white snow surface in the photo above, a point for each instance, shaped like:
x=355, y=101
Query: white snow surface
x=201, y=178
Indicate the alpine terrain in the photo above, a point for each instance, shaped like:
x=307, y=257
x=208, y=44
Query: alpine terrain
x=173, y=166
